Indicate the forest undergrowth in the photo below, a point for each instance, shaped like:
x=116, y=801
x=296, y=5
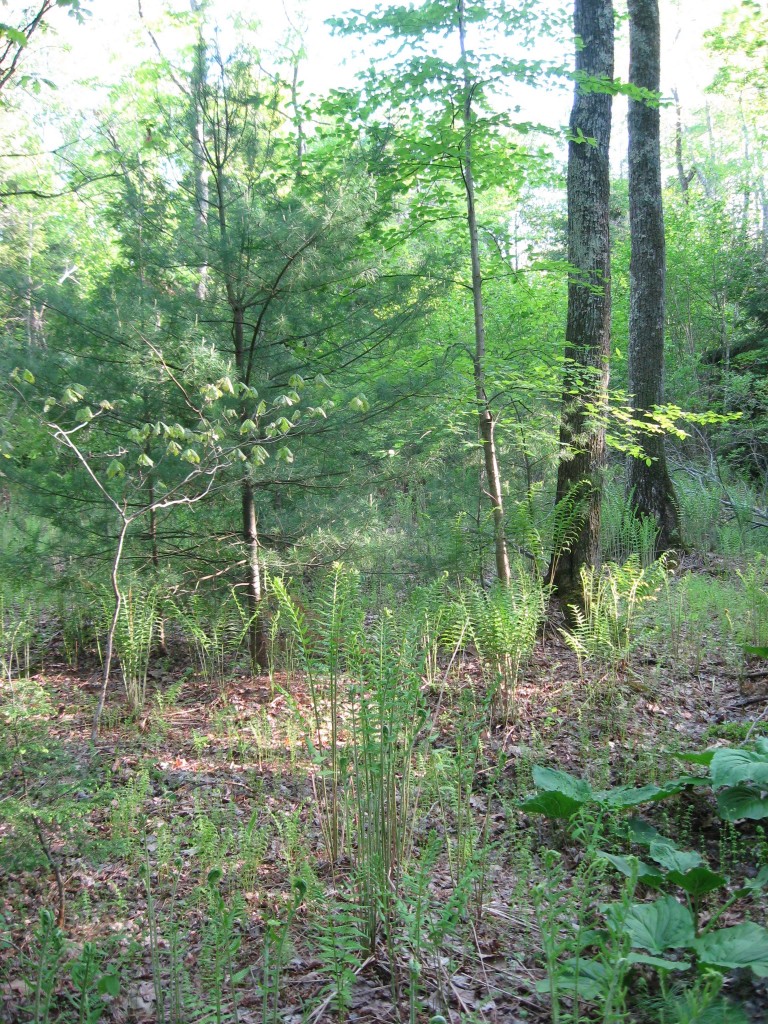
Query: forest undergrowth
x=355, y=833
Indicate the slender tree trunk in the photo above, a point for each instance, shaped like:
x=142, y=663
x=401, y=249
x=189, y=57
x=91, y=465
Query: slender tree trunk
x=648, y=482
x=684, y=177
x=588, y=329
x=487, y=423
x=114, y=578
x=256, y=632
x=199, y=163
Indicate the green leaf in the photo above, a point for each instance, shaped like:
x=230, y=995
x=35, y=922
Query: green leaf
x=552, y=805
x=666, y=854
x=730, y=766
x=742, y=802
x=13, y=35
x=191, y=456
x=145, y=461
x=625, y=796
x=632, y=866
x=554, y=781
x=214, y=877
x=744, y=945
x=642, y=832
x=660, y=963
x=698, y=881
x=697, y=757
x=664, y=924
x=115, y=469
x=756, y=652
x=590, y=978
x=109, y=985
x=259, y=455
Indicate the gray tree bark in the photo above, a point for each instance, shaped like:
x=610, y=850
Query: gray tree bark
x=588, y=328
x=649, y=485
x=487, y=422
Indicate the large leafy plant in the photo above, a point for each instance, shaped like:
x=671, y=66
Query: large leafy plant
x=738, y=775
x=669, y=934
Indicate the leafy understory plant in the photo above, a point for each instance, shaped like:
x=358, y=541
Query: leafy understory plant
x=738, y=776
x=218, y=631
x=604, y=630
x=16, y=634
x=562, y=795
x=670, y=936
x=503, y=623
x=134, y=633
x=339, y=940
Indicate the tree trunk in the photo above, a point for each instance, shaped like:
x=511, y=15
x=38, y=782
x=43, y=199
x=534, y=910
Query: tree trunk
x=487, y=424
x=649, y=486
x=199, y=163
x=588, y=329
x=256, y=633
x=257, y=644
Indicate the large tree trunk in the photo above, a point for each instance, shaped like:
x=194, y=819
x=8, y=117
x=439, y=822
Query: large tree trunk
x=648, y=482
x=487, y=423
x=588, y=329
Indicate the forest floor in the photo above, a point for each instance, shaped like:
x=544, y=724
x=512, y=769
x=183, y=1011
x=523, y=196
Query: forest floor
x=141, y=826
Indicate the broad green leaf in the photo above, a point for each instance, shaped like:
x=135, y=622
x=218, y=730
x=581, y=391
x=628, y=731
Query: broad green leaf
x=698, y=881
x=664, y=924
x=552, y=805
x=144, y=461
x=626, y=796
x=670, y=857
x=731, y=766
x=115, y=469
x=756, y=652
x=553, y=781
x=744, y=945
x=755, y=885
x=109, y=985
x=742, y=802
x=259, y=455
x=590, y=978
x=632, y=866
x=644, y=833
x=697, y=757
x=191, y=456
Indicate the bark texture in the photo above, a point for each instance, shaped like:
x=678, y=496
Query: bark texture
x=588, y=329
x=487, y=422
x=649, y=485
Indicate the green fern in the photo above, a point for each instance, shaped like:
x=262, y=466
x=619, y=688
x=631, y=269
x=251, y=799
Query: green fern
x=339, y=940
